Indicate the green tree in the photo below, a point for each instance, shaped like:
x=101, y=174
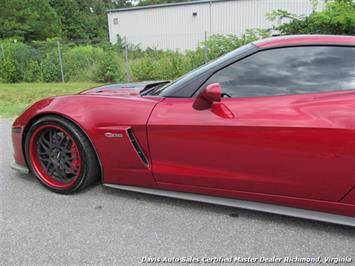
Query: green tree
x=338, y=18
x=28, y=20
x=69, y=14
x=85, y=20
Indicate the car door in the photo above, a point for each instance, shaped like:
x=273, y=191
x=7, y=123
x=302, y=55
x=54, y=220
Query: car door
x=287, y=127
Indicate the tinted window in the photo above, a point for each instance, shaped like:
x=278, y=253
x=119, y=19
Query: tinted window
x=292, y=70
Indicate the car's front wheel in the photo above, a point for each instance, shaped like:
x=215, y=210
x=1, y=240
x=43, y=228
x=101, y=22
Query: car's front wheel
x=60, y=155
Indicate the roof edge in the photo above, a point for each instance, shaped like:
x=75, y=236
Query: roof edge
x=165, y=5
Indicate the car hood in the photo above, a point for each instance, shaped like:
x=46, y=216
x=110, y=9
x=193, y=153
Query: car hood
x=124, y=89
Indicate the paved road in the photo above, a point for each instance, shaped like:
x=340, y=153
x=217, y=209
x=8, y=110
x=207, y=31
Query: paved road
x=112, y=227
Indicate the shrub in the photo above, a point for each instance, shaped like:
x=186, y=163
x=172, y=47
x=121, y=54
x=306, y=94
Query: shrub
x=105, y=63
x=32, y=72
x=144, y=69
x=80, y=62
x=159, y=66
x=9, y=70
x=15, y=59
x=50, y=68
x=108, y=70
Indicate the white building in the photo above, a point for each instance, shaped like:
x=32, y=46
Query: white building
x=183, y=25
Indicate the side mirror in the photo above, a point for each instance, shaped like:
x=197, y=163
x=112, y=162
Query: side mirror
x=212, y=93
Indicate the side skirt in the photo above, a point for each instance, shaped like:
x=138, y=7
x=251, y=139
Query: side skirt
x=250, y=205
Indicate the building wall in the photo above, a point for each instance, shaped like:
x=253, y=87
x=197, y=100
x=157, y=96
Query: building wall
x=175, y=27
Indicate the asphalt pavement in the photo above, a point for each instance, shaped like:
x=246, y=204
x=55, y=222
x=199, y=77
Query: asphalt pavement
x=103, y=226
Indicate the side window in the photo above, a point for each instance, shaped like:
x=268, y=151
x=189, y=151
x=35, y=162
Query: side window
x=293, y=70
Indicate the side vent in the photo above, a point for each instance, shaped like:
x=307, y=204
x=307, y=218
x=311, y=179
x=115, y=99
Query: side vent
x=137, y=147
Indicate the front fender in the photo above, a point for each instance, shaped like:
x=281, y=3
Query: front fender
x=96, y=116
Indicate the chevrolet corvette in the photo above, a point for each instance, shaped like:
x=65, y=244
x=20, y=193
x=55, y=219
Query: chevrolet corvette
x=268, y=127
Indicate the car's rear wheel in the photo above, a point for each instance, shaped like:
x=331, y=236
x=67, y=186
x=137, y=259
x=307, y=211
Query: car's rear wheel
x=60, y=155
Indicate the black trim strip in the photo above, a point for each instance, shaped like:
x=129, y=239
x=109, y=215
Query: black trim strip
x=137, y=147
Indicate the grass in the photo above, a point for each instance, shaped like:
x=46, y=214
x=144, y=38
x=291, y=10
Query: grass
x=14, y=98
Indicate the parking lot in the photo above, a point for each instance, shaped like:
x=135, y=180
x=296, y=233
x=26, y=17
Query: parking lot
x=111, y=227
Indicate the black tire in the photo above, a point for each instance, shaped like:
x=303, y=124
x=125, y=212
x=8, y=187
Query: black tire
x=89, y=166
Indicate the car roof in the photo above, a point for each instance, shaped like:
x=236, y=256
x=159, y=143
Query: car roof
x=305, y=40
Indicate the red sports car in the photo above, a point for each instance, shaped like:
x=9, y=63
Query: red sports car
x=268, y=127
